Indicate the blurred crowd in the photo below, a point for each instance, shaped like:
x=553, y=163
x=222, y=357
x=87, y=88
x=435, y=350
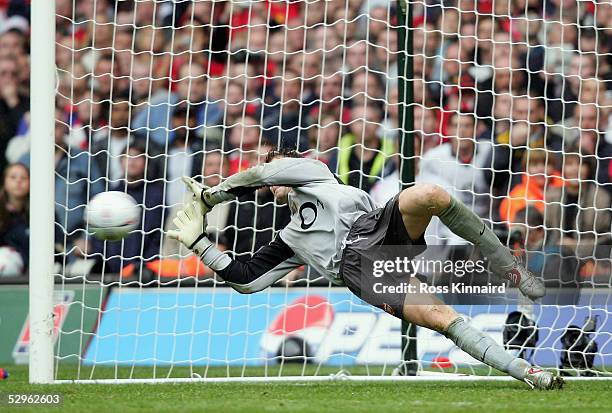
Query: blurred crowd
x=511, y=103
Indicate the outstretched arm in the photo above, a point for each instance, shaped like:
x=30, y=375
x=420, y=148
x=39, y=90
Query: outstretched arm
x=282, y=172
x=263, y=269
x=268, y=265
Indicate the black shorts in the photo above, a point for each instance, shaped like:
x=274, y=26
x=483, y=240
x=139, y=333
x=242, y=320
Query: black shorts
x=381, y=227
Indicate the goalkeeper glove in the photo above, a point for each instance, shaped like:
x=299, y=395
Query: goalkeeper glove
x=197, y=193
x=191, y=231
x=191, y=228
x=205, y=196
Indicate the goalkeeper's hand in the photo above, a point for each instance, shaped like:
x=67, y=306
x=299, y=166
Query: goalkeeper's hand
x=205, y=196
x=198, y=193
x=191, y=228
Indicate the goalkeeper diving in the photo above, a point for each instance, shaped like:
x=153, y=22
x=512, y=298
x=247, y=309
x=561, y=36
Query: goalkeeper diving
x=333, y=225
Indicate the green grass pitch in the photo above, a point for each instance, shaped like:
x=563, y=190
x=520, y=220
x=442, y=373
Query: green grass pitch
x=337, y=397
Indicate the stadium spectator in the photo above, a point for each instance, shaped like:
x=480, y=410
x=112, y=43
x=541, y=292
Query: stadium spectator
x=244, y=138
x=13, y=103
x=153, y=120
x=448, y=22
x=285, y=120
x=324, y=142
x=331, y=100
x=578, y=213
x=276, y=49
x=105, y=71
x=557, y=265
x=426, y=40
x=191, y=46
x=588, y=40
x=77, y=179
x=366, y=89
x=249, y=72
x=527, y=130
x=380, y=14
x=585, y=119
x=390, y=128
x=13, y=42
x=216, y=111
x=254, y=38
x=426, y=125
x=144, y=243
x=592, y=91
x=64, y=54
x=318, y=38
x=425, y=137
x=537, y=175
x=147, y=89
x=78, y=80
x=152, y=44
x=19, y=145
x=487, y=26
x=458, y=165
x=124, y=36
x=467, y=41
x=87, y=116
x=345, y=21
x=507, y=78
x=502, y=111
x=385, y=57
x=565, y=94
x=592, y=142
x=356, y=56
x=363, y=157
x=421, y=93
x=309, y=65
x=457, y=89
x=110, y=142
x=455, y=74
x=184, y=154
x=14, y=209
x=14, y=45
x=233, y=105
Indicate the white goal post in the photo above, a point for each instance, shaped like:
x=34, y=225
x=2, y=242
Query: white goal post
x=43, y=82
x=512, y=114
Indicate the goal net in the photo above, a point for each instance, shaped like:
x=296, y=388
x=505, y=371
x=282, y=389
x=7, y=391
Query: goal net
x=506, y=104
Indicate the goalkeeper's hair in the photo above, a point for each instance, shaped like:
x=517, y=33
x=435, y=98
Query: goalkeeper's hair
x=282, y=153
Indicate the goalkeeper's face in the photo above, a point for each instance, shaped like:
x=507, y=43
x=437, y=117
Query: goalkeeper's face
x=280, y=193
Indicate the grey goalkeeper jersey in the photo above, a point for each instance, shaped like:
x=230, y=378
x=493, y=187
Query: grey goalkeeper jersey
x=322, y=213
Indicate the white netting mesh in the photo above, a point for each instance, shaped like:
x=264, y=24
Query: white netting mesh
x=511, y=110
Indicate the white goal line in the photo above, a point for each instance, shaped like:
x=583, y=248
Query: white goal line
x=422, y=377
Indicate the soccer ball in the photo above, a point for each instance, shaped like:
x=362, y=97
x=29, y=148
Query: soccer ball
x=112, y=215
x=11, y=263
